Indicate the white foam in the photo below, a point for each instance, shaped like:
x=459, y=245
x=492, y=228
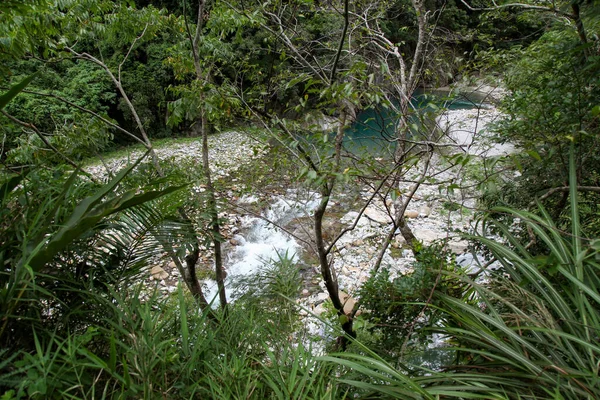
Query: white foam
x=262, y=242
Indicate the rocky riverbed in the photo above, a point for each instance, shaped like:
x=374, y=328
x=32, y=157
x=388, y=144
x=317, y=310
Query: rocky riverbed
x=228, y=151
x=434, y=213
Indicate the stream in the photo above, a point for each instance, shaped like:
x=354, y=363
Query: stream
x=259, y=241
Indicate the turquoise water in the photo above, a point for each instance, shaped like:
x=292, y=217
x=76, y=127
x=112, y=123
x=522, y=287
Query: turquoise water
x=373, y=130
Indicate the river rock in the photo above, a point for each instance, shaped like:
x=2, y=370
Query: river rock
x=377, y=215
x=428, y=236
x=347, y=301
x=318, y=310
x=458, y=247
x=349, y=217
x=358, y=243
x=158, y=273
x=321, y=297
x=411, y=214
x=425, y=211
x=398, y=242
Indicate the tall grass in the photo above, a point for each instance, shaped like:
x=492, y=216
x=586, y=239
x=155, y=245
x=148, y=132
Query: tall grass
x=531, y=332
x=165, y=347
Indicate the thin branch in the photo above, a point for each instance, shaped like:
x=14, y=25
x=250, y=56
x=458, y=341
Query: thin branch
x=131, y=48
x=275, y=224
x=361, y=212
x=341, y=45
x=524, y=6
x=397, y=221
x=94, y=114
x=42, y=137
x=550, y=192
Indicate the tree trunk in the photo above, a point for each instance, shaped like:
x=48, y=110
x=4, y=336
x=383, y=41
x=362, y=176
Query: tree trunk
x=327, y=271
x=215, y=228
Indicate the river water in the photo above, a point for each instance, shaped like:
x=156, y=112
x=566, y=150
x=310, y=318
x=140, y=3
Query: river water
x=260, y=241
x=374, y=128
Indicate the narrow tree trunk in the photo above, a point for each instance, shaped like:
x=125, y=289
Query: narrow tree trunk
x=400, y=159
x=327, y=271
x=215, y=228
x=580, y=28
x=190, y=280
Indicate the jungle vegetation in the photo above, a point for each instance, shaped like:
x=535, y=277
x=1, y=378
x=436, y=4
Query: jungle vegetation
x=82, y=78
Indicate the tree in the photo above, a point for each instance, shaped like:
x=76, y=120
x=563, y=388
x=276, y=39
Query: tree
x=334, y=72
x=105, y=34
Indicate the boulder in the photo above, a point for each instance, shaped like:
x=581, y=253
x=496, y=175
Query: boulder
x=318, y=310
x=425, y=211
x=427, y=235
x=349, y=217
x=398, y=242
x=377, y=215
x=411, y=214
x=347, y=301
x=158, y=273
x=458, y=247
x=321, y=297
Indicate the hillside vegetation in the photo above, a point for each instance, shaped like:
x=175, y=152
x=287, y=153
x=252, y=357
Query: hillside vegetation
x=143, y=140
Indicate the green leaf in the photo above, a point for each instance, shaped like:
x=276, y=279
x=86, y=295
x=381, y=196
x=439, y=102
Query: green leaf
x=15, y=90
x=9, y=185
x=534, y=154
x=343, y=319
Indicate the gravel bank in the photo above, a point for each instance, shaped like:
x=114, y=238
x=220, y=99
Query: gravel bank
x=227, y=152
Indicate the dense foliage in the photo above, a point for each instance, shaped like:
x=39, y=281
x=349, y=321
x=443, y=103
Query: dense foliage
x=79, y=77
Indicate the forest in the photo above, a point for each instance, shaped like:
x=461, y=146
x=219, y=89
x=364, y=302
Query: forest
x=299, y=199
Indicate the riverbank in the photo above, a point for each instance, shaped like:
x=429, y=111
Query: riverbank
x=227, y=151
x=443, y=205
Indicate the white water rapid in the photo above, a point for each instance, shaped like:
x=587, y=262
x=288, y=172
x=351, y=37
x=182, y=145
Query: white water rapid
x=261, y=241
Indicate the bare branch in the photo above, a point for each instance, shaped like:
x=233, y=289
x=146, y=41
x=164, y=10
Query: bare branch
x=118, y=84
x=131, y=48
x=94, y=114
x=524, y=6
x=361, y=212
x=43, y=138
